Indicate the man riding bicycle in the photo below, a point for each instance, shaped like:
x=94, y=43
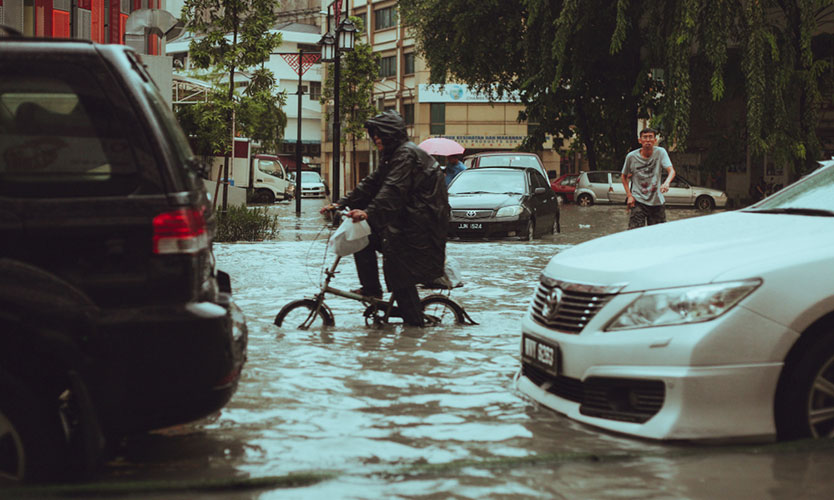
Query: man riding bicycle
x=406, y=205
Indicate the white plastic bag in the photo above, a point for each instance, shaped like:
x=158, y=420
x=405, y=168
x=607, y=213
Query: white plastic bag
x=451, y=275
x=350, y=237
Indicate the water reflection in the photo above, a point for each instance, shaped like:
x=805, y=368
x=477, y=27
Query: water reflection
x=409, y=413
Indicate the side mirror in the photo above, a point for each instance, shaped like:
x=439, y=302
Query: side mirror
x=540, y=190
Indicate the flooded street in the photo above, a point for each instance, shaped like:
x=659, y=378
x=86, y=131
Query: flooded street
x=398, y=412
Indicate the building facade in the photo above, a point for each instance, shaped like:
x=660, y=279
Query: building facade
x=453, y=111
x=284, y=65
x=102, y=21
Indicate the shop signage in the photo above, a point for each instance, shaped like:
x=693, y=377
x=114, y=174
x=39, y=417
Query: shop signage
x=453, y=92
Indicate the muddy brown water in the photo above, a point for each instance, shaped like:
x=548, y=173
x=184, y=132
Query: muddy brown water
x=396, y=412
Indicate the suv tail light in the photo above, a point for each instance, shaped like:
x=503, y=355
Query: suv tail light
x=180, y=231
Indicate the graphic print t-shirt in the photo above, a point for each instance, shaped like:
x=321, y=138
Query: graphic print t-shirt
x=646, y=174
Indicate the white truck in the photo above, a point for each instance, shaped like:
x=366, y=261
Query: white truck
x=270, y=181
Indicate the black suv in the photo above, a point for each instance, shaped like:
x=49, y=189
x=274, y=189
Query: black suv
x=113, y=319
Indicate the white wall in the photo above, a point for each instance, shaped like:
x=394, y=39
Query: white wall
x=287, y=80
x=159, y=67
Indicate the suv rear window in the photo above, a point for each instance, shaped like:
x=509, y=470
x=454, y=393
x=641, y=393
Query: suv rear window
x=60, y=135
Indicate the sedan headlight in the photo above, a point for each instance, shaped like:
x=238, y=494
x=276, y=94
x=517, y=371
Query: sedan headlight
x=678, y=306
x=509, y=211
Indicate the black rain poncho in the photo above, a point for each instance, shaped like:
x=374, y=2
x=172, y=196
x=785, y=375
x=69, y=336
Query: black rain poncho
x=407, y=206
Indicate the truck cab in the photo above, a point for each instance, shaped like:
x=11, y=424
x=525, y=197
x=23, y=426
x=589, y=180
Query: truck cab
x=271, y=179
x=263, y=173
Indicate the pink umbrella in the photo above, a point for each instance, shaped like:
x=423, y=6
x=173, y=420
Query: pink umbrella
x=441, y=146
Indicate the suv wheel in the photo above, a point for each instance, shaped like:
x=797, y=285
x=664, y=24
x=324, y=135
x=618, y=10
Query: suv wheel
x=32, y=443
x=584, y=200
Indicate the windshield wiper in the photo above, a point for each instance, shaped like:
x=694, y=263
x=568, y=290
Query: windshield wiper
x=797, y=211
x=511, y=192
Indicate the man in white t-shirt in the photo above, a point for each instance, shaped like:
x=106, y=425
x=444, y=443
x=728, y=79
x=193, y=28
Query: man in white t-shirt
x=641, y=177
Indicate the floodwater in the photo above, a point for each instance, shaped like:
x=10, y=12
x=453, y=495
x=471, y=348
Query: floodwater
x=398, y=412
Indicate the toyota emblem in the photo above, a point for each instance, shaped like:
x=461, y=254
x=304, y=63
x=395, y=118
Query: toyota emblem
x=471, y=213
x=551, y=303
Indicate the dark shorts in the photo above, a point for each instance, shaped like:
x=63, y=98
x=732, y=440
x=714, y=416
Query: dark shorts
x=646, y=215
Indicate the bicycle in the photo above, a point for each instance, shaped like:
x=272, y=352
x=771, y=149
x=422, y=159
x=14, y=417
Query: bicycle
x=438, y=309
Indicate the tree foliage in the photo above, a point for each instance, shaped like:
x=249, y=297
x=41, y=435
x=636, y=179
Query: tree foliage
x=587, y=69
x=247, y=21
x=230, y=36
x=357, y=72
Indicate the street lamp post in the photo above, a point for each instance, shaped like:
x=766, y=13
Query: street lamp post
x=332, y=47
x=300, y=64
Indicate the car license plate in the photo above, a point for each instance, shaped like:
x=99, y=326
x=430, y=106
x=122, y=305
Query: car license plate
x=471, y=225
x=541, y=354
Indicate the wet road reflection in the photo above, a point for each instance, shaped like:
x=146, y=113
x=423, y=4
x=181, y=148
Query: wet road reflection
x=397, y=412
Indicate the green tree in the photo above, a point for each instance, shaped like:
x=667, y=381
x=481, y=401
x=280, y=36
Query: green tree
x=233, y=35
x=557, y=56
x=587, y=68
x=359, y=68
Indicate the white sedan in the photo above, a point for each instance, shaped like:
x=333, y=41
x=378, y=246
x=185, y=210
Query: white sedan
x=312, y=185
x=720, y=326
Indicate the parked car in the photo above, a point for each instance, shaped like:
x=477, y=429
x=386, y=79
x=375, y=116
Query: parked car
x=720, y=326
x=564, y=186
x=113, y=317
x=312, y=185
x=506, y=159
x=606, y=186
x=502, y=202
x=599, y=186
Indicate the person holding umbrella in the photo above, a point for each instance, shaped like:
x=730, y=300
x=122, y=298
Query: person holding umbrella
x=441, y=146
x=453, y=168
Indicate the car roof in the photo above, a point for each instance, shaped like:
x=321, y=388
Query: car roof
x=520, y=168
x=488, y=153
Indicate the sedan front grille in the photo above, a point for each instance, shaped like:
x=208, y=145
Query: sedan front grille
x=626, y=400
x=472, y=214
x=568, y=307
x=564, y=387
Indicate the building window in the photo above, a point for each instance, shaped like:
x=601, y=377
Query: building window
x=385, y=18
x=364, y=18
x=390, y=107
x=408, y=114
x=437, y=125
x=388, y=66
x=315, y=91
x=408, y=63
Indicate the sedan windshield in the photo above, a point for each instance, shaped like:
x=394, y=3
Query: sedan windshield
x=310, y=177
x=488, y=181
x=812, y=195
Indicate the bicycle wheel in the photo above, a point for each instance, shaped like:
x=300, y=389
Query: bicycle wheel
x=302, y=314
x=441, y=310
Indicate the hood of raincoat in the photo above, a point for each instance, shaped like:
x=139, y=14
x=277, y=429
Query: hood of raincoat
x=390, y=127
